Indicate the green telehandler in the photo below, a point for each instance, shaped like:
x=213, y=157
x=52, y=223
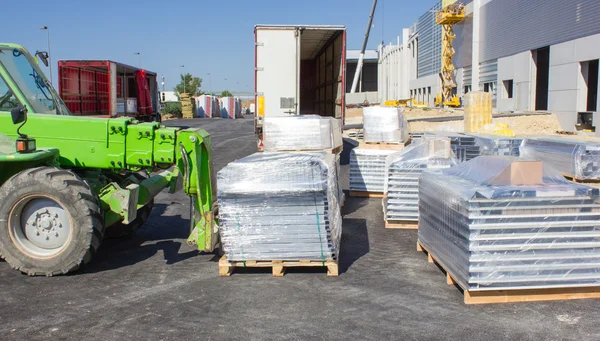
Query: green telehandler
x=68, y=181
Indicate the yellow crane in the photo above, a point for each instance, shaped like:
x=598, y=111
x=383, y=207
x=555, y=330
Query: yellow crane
x=451, y=14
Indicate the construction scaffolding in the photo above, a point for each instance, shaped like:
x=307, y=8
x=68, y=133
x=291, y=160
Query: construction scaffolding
x=450, y=15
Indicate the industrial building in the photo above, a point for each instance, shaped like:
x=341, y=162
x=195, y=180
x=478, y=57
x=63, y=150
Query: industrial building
x=532, y=55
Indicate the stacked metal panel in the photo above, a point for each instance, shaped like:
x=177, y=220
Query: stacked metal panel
x=205, y=106
x=231, y=107
x=498, y=145
x=307, y=132
x=401, y=202
x=464, y=146
x=578, y=159
x=280, y=206
x=384, y=124
x=491, y=236
x=368, y=169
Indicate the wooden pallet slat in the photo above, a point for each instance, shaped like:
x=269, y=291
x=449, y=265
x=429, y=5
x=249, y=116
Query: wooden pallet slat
x=401, y=224
x=226, y=267
x=581, y=181
x=381, y=146
x=364, y=194
x=336, y=150
x=517, y=295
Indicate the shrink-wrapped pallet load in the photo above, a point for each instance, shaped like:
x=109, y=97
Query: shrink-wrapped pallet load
x=280, y=206
x=404, y=168
x=464, y=146
x=501, y=223
x=498, y=145
x=478, y=111
x=385, y=125
x=302, y=133
x=576, y=159
x=368, y=169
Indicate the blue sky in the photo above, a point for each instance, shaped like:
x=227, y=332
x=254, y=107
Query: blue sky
x=214, y=37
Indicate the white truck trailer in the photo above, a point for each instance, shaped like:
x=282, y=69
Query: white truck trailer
x=299, y=70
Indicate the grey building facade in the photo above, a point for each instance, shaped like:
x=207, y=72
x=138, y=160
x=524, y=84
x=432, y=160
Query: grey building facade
x=531, y=54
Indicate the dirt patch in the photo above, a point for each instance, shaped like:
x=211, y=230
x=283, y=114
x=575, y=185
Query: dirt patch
x=521, y=125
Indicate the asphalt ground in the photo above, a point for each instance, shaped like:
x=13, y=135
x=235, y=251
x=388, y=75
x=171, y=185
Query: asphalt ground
x=152, y=286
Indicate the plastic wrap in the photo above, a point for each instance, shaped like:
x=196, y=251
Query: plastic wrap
x=308, y=132
x=495, y=223
x=404, y=168
x=368, y=169
x=478, y=111
x=280, y=206
x=385, y=124
x=577, y=159
x=498, y=145
x=464, y=146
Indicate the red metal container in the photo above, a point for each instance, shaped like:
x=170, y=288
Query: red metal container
x=105, y=88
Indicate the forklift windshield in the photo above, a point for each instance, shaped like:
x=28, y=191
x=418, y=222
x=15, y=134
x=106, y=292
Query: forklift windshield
x=32, y=82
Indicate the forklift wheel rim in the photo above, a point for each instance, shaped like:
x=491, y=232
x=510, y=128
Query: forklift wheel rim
x=39, y=226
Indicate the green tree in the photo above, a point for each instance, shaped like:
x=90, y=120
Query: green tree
x=226, y=93
x=189, y=84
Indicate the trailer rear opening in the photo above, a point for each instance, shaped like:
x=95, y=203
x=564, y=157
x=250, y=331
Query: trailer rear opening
x=300, y=70
x=106, y=88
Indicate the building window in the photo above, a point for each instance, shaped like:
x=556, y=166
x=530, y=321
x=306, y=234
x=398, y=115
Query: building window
x=508, y=88
x=467, y=89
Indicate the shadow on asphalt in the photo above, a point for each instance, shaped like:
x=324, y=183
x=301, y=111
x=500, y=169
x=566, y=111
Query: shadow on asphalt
x=355, y=243
x=345, y=154
x=352, y=204
x=126, y=251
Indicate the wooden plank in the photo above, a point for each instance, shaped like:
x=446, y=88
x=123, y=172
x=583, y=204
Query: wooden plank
x=449, y=279
x=336, y=150
x=366, y=194
x=581, y=181
x=517, y=295
x=278, y=267
x=530, y=295
x=381, y=146
x=401, y=224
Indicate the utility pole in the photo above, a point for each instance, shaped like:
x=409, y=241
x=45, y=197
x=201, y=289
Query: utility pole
x=45, y=28
x=139, y=59
x=209, y=84
x=184, y=79
x=361, y=57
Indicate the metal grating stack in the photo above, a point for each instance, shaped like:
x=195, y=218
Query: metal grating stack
x=368, y=169
x=280, y=206
x=577, y=159
x=307, y=132
x=463, y=146
x=401, y=202
x=499, y=223
x=384, y=125
x=498, y=145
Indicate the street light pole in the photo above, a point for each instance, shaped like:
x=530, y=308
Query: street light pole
x=139, y=59
x=45, y=28
x=209, y=84
x=184, y=80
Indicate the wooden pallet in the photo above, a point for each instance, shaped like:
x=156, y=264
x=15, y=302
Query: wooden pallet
x=401, y=224
x=363, y=194
x=226, y=267
x=381, y=146
x=511, y=296
x=581, y=181
x=336, y=150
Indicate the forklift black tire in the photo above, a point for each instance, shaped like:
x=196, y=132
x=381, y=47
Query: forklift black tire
x=50, y=222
